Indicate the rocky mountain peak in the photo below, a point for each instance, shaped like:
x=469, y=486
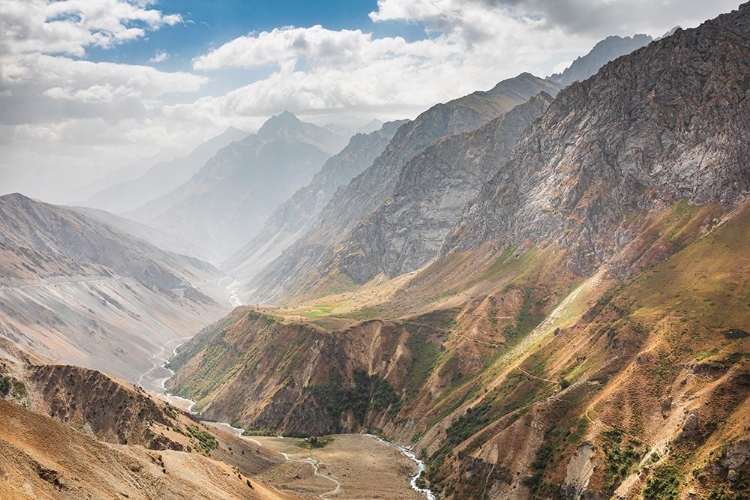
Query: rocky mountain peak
x=286, y=126
x=287, y=121
x=355, y=201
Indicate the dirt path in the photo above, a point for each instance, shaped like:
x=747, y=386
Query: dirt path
x=316, y=470
x=536, y=377
x=358, y=466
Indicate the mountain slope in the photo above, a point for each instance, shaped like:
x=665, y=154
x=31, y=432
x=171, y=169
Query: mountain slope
x=408, y=229
x=161, y=178
x=365, y=192
x=44, y=459
x=668, y=122
x=227, y=201
x=604, y=51
x=291, y=219
x=79, y=291
x=125, y=174
x=160, y=239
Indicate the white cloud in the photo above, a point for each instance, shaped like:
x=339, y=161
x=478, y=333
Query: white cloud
x=70, y=26
x=317, y=45
x=592, y=17
x=62, y=114
x=159, y=57
x=317, y=69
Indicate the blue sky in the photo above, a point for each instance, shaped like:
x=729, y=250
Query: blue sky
x=211, y=23
x=90, y=86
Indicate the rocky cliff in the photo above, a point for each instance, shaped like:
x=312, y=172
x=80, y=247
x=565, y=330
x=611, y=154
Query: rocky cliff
x=606, y=50
x=264, y=373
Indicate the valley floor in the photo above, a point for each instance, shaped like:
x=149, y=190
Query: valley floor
x=351, y=466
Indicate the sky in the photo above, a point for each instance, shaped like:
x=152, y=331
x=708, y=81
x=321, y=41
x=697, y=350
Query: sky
x=89, y=86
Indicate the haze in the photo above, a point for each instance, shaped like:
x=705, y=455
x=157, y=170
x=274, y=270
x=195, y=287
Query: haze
x=89, y=87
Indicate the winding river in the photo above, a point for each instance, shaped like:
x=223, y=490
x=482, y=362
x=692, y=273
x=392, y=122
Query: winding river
x=420, y=466
x=154, y=380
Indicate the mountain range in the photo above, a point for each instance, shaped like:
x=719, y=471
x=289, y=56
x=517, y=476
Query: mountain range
x=225, y=203
x=296, y=215
x=540, y=289
x=370, y=188
x=159, y=179
x=549, y=304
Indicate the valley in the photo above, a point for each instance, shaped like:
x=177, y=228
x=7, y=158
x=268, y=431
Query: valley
x=536, y=291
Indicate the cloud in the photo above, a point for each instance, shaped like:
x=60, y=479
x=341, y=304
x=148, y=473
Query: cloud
x=70, y=26
x=159, y=57
x=316, y=70
x=591, y=17
x=316, y=45
x=62, y=114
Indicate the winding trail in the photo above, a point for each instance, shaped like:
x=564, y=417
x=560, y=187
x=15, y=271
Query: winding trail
x=316, y=466
x=315, y=463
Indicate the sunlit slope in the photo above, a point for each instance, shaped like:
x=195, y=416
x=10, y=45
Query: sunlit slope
x=489, y=357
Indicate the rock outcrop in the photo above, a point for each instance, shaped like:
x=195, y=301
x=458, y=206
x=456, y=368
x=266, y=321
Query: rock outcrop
x=606, y=50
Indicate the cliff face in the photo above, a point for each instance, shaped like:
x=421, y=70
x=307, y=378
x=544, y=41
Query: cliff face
x=265, y=373
x=408, y=229
x=668, y=122
x=295, y=216
x=367, y=191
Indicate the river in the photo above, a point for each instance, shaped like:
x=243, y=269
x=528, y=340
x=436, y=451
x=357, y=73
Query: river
x=154, y=380
x=420, y=466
